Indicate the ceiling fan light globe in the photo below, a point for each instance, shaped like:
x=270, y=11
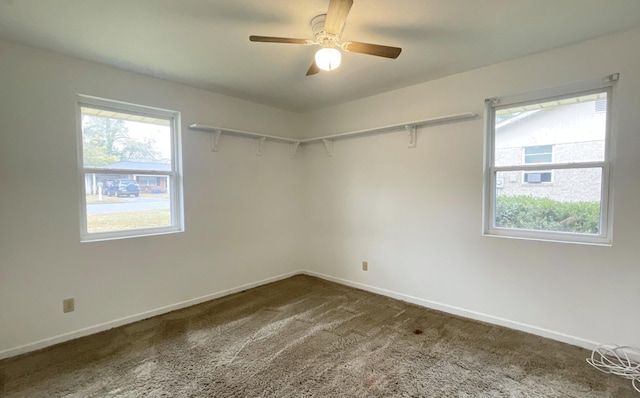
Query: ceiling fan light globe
x=328, y=58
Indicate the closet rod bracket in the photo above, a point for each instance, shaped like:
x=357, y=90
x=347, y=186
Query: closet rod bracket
x=259, y=145
x=413, y=135
x=294, y=148
x=328, y=145
x=215, y=137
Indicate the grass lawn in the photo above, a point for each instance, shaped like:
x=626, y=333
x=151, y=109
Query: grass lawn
x=128, y=220
x=114, y=199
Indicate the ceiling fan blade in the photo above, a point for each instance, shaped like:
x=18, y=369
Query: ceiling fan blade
x=337, y=15
x=313, y=69
x=373, y=49
x=271, y=39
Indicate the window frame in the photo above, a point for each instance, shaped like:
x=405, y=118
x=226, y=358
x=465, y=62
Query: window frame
x=174, y=175
x=491, y=171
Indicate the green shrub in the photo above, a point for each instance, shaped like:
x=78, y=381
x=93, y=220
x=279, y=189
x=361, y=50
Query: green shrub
x=526, y=212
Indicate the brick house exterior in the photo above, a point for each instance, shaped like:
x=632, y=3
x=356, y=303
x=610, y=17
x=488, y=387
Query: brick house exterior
x=552, y=135
x=147, y=183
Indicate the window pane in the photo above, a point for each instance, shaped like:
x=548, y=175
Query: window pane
x=116, y=202
x=538, y=150
x=114, y=140
x=571, y=203
x=538, y=158
x=537, y=177
x=574, y=128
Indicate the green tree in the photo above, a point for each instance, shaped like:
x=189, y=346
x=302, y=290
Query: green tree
x=142, y=149
x=106, y=141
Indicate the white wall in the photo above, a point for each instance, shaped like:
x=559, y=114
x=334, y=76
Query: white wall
x=415, y=214
x=242, y=212
x=252, y=218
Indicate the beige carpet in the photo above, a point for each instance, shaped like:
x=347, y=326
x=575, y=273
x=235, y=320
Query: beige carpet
x=304, y=337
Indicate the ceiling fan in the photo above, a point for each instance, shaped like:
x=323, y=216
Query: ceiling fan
x=327, y=31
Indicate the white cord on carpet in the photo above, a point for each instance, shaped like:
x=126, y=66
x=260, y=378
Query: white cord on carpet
x=614, y=359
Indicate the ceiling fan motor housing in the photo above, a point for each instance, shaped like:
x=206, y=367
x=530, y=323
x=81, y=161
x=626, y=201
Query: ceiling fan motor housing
x=320, y=34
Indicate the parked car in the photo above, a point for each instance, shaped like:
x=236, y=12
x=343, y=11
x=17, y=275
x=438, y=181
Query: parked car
x=107, y=186
x=121, y=188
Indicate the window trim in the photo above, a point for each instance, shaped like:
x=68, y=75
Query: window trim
x=174, y=175
x=490, y=171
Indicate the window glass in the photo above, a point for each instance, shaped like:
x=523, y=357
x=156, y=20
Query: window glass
x=573, y=127
x=572, y=204
x=130, y=171
x=548, y=170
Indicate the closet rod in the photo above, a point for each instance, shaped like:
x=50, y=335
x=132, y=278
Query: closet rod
x=436, y=120
x=212, y=129
x=410, y=125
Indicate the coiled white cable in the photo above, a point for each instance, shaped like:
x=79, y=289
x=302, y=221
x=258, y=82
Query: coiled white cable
x=614, y=359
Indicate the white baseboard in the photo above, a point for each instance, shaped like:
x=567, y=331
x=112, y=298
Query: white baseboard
x=410, y=299
x=134, y=318
x=478, y=316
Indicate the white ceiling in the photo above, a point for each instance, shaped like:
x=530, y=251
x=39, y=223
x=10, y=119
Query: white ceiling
x=204, y=43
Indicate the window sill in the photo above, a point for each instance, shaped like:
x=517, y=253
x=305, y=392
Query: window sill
x=106, y=236
x=550, y=237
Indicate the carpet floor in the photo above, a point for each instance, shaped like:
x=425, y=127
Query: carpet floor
x=306, y=337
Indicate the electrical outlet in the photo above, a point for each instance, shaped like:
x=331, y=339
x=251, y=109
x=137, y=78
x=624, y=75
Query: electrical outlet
x=365, y=266
x=68, y=305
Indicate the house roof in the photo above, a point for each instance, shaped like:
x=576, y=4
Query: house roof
x=511, y=114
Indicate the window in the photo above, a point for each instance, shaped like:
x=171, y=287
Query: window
x=130, y=168
x=537, y=154
x=547, y=165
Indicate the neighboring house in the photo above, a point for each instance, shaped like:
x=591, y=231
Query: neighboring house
x=147, y=182
x=552, y=135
